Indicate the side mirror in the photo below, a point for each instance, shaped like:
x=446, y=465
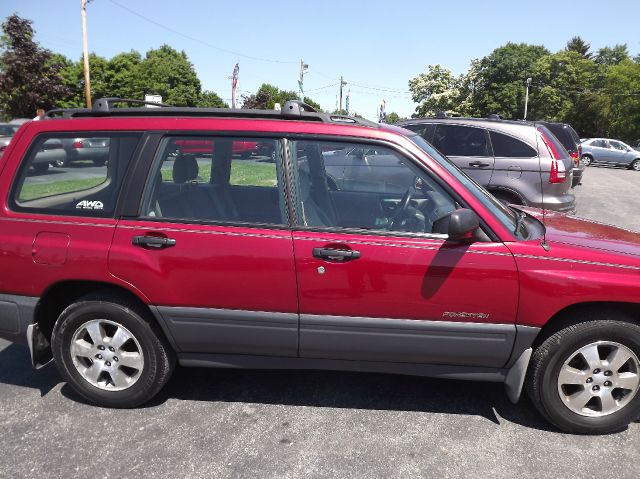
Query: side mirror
x=460, y=224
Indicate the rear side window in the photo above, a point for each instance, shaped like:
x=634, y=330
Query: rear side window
x=425, y=130
x=599, y=143
x=74, y=175
x=456, y=140
x=505, y=146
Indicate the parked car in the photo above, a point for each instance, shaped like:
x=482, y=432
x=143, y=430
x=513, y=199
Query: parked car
x=91, y=151
x=6, y=133
x=506, y=157
x=612, y=152
x=154, y=259
x=571, y=142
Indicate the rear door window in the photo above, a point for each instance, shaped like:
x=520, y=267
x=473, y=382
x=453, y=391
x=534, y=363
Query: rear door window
x=425, y=130
x=457, y=140
x=505, y=146
x=74, y=175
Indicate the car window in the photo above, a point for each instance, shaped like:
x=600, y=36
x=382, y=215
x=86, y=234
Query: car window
x=7, y=130
x=456, y=140
x=425, y=130
x=381, y=191
x=78, y=176
x=599, y=143
x=506, y=146
x=617, y=145
x=217, y=179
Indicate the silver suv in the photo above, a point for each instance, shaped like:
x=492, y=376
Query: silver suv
x=518, y=162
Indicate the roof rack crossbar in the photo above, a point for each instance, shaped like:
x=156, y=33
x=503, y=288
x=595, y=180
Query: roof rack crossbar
x=102, y=104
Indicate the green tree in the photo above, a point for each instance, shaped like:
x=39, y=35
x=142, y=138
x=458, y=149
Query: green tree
x=499, y=84
x=316, y=106
x=563, y=89
x=610, y=56
x=436, y=90
x=622, y=83
x=268, y=95
x=28, y=78
x=210, y=99
x=393, y=117
x=577, y=44
x=167, y=72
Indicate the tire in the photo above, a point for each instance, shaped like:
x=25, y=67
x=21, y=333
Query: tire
x=586, y=160
x=41, y=167
x=59, y=163
x=586, y=408
x=78, y=355
x=635, y=165
x=99, y=161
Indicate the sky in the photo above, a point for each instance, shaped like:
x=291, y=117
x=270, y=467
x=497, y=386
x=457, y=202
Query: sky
x=375, y=45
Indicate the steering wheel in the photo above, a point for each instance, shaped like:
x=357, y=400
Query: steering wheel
x=401, y=210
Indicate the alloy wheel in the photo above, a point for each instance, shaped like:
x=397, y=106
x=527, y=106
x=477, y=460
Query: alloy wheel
x=107, y=355
x=599, y=379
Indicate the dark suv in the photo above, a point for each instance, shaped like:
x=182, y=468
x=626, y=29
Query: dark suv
x=571, y=142
x=518, y=162
x=397, y=262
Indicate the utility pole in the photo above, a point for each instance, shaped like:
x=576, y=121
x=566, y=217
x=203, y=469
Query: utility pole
x=303, y=69
x=85, y=53
x=234, y=85
x=342, y=84
x=526, y=98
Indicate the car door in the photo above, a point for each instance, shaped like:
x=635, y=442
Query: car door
x=211, y=250
x=619, y=153
x=376, y=283
x=468, y=147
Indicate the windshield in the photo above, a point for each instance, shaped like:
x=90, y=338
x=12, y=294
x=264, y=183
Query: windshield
x=507, y=216
x=8, y=130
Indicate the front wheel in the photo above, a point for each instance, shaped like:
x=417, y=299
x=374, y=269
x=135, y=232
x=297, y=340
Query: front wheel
x=585, y=378
x=111, y=352
x=586, y=160
x=635, y=165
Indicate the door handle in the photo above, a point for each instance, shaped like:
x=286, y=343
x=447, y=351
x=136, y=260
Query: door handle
x=153, y=242
x=333, y=254
x=478, y=164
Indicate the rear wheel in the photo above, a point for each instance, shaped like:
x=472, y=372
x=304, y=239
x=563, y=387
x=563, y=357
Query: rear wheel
x=586, y=160
x=585, y=378
x=99, y=161
x=635, y=165
x=110, y=351
x=41, y=167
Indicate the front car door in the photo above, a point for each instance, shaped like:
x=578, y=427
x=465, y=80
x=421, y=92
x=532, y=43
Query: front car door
x=376, y=280
x=619, y=153
x=210, y=248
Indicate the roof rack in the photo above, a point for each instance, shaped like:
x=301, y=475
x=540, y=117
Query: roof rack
x=292, y=110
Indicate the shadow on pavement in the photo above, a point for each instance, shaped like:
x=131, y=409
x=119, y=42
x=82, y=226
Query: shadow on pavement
x=16, y=370
x=366, y=391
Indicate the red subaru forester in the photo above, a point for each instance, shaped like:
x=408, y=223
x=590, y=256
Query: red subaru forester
x=355, y=246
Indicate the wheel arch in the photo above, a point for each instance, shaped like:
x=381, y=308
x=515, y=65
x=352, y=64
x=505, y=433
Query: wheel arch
x=57, y=297
x=507, y=192
x=571, y=315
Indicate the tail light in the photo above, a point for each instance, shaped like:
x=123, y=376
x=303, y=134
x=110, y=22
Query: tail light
x=576, y=158
x=558, y=173
x=77, y=144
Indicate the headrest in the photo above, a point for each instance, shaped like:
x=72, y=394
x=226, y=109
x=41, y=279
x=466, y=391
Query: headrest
x=304, y=184
x=185, y=168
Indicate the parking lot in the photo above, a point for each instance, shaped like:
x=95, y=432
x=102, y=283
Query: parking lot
x=227, y=423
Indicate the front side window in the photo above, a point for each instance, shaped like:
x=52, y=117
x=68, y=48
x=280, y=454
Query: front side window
x=366, y=187
x=216, y=179
x=616, y=145
x=457, y=140
x=505, y=146
x=74, y=175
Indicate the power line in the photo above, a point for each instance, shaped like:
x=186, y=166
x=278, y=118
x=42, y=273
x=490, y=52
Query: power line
x=376, y=88
x=197, y=40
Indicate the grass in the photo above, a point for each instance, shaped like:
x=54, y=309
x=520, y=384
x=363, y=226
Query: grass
x=243, y=173
x=41, y=190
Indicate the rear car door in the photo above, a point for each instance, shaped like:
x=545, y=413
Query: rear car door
x=468, y=147
x=377, y=282
x=210, y=247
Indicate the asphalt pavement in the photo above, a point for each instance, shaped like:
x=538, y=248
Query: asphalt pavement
x=290, y=424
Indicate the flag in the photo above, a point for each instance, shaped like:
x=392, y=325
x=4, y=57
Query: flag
x=236, y=71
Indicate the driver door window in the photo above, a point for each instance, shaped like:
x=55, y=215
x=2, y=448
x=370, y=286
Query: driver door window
x=366, y=187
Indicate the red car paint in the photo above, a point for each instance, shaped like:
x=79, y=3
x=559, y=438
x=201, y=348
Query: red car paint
x=207, y=147
x=509, y=281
